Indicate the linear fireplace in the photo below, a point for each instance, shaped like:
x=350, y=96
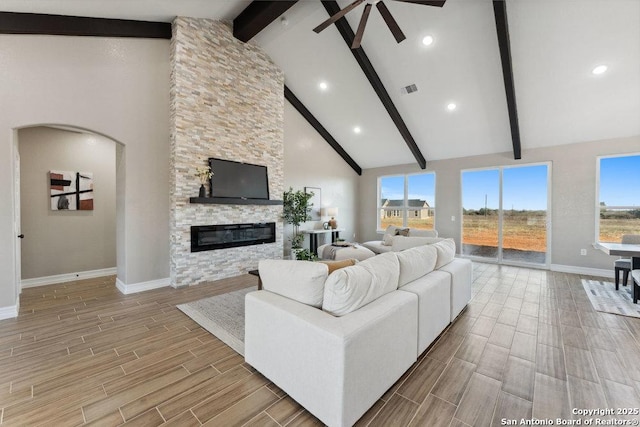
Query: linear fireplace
x=210, y=237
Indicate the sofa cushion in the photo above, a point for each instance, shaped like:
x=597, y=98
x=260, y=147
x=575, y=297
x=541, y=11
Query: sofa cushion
x=416, y=232
x=376, y=246
x=337, y=265
x=415, y=263
x=350, y=288
x=302, y=281
x=400, y=243
x=446, y=252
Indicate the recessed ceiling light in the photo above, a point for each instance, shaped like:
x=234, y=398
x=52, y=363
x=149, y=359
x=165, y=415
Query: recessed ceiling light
x=427, y=40
x=451, y=106
x=600, y=69
x=357, y=129
x=323, y=86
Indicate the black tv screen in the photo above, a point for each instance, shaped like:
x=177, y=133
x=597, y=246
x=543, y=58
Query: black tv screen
x=238, y=180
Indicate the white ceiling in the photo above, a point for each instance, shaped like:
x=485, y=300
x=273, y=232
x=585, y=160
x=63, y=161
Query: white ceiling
x=555, y=45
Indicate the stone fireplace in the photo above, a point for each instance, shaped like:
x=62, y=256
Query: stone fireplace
x=224, y=236
x=227, y=101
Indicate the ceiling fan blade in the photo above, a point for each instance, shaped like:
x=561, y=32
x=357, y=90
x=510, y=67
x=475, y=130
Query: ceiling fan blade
x=363, y=23
x=391, y=23
x=337, y=16
x=436, y=3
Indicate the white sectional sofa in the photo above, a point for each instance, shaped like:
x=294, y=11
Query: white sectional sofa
x=392, y=241
x=337, y=342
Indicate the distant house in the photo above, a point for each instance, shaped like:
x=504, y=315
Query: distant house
x=416, y=208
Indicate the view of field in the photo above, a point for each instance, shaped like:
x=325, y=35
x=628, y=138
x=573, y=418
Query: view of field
x=611, y=230
x=426, y=223
x=523, y=230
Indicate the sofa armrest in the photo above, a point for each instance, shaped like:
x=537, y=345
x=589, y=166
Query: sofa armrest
x=336, y=367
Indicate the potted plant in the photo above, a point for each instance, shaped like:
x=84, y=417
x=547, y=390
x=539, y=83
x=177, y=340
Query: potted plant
x=205, y=174
x=295, y=211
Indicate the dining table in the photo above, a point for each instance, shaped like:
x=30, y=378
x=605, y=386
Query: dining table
x=626, y=250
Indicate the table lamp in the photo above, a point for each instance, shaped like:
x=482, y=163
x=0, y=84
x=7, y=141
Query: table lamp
x=333, y=213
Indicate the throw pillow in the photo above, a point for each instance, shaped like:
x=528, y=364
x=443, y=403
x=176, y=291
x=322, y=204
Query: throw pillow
x=446, y=252
x=402, y=232
x=302, y=281
x=387, y=239
x=350, y=288
x=337, y=265
x=416, y=262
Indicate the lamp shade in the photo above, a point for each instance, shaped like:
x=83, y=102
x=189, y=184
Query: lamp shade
x=332, y=211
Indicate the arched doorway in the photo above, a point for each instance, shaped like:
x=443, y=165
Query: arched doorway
x=68, y=244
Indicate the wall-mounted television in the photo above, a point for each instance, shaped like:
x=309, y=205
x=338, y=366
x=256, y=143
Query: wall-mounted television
x=238, y=180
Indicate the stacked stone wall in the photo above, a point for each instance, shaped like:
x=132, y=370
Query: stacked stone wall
x=227, y=101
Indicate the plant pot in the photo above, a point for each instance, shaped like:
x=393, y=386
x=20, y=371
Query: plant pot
x=203, y=191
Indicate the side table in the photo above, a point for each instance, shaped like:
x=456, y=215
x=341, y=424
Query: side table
x=313, y=237
x=257, y=274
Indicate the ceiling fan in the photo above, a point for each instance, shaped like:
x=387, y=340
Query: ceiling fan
x=386, y=15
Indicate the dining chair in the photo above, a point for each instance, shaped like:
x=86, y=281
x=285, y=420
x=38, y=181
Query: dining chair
x=624, y=264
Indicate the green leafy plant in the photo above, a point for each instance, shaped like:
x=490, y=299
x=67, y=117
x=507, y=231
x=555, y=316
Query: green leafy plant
x=295, y=211
x=306, y=255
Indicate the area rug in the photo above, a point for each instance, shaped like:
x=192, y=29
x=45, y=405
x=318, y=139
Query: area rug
x=222, y=315
x=604, y=297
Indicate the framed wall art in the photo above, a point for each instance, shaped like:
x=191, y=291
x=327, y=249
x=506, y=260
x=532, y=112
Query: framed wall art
x=71, y=191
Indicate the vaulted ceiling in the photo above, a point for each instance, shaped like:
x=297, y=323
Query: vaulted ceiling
x=554, y=46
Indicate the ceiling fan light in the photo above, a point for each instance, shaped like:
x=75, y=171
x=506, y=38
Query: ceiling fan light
x=427, y=40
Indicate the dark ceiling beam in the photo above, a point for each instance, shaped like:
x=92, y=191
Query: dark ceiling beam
x=58, y=25
x=362, y=59
x=320, y=129
x=257, y=16
x=502, y=27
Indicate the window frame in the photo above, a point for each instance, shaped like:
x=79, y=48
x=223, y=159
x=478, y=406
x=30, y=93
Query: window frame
x=597, y=201
x=402, y=211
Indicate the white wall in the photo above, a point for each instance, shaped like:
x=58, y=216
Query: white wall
x=309, y=161
x=573, y=191
x=62, y=242
x=115, y=87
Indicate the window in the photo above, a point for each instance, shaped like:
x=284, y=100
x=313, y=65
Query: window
x=407, y=200
x=505, y=213
x=618, y=198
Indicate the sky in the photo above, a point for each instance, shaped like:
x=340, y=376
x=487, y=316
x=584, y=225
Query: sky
x=524, y=188
x=420, y=186
x=620, y=181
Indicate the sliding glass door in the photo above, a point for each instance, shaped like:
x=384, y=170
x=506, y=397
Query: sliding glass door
x=480, y=213
x=505, y=214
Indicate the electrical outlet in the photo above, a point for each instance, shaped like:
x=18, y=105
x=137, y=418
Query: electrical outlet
x=583, y=251
x=453, y=217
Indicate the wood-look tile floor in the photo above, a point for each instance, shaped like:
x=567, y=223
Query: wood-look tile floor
x=528, y=346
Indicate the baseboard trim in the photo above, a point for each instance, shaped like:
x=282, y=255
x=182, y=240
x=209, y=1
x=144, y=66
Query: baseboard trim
x=8, y=312
x=68, y=277
x=134, y=288
x=598, y=272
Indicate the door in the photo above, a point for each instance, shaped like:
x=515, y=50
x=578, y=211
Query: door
x=480, y=213
x=524, y=214
x=504, y=214
x=16, y=219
